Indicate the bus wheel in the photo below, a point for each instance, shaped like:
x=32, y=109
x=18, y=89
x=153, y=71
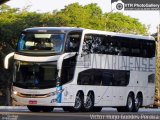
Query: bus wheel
x=47, y=108
x=130, y=103
x=138, y=103
x=97, y=109
x=88, y=106
x=78, y=103
x=34, y=108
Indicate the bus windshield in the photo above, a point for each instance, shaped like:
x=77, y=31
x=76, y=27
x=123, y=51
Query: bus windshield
x=41, y=42
x=32, y=75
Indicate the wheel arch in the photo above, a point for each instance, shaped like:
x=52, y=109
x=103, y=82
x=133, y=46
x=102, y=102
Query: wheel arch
x=132, y=93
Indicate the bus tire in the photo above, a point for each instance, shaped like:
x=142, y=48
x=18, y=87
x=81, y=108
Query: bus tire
x=47, y=108
x=130, y=103
x=88, y=106
x=78, y=103
x=97, y=109
x=138, y=102
x=34, y=108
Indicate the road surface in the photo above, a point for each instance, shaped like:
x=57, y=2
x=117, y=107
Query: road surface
x=22, y=113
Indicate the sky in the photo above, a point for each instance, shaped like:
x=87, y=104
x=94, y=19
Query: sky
x=149, y=18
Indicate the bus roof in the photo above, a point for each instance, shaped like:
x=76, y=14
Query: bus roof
x=51, y=29
x=68, y=29
x=120, y=34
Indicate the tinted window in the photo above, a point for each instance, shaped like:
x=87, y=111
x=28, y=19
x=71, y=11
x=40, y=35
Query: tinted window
x=113, y=45
x=104, y=77
x=73, y=42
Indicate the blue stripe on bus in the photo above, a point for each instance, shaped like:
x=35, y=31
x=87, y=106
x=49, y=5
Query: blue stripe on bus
x=59, y=94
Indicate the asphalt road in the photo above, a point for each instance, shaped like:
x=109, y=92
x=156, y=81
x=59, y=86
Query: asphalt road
x=22, y=113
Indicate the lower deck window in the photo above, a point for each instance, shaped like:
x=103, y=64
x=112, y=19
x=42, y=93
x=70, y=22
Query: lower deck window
x=104, y=77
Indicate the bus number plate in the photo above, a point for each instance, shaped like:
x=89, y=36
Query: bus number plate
x=32, y=102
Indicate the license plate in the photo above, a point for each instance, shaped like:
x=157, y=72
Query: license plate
x=32, y=102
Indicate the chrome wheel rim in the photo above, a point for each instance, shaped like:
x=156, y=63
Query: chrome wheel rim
x=78, y=102
x=88, y=103
x=130, y=103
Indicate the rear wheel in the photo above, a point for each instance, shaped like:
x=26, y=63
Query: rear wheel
x=34, y=108
x=88, y=106
x=138, y=103
x=129, y=105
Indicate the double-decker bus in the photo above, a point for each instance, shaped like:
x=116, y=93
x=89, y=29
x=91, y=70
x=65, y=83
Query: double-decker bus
x=82, y=70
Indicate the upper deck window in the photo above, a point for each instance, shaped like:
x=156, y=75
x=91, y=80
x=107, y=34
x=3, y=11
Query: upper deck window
x=41, y=42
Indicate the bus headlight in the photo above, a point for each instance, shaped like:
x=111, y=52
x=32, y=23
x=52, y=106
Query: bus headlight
x=15, y=92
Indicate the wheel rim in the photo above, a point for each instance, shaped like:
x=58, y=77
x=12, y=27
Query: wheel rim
x=138, y=102
x=130, y=103
x=78, y=102
x=88, y=103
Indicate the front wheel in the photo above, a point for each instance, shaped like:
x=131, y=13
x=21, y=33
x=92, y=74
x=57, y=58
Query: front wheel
x=34, y=108
x=47, y=108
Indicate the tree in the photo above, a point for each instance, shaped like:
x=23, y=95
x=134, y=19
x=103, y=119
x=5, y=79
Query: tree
x=117, y=22
x=91, y=16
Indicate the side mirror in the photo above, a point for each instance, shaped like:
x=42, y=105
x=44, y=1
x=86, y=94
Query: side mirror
x=6, y=60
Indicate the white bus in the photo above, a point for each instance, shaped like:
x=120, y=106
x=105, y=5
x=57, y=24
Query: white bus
x=82, y=70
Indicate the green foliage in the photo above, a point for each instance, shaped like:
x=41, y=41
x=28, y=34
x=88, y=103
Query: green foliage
x=91, y=16
x=75, y=15
x=118, y=22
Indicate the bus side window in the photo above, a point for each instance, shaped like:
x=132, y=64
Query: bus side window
x=107, y=79
x=148, y=49
x=87, y=44
x=83, y=78
x=73, y=42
